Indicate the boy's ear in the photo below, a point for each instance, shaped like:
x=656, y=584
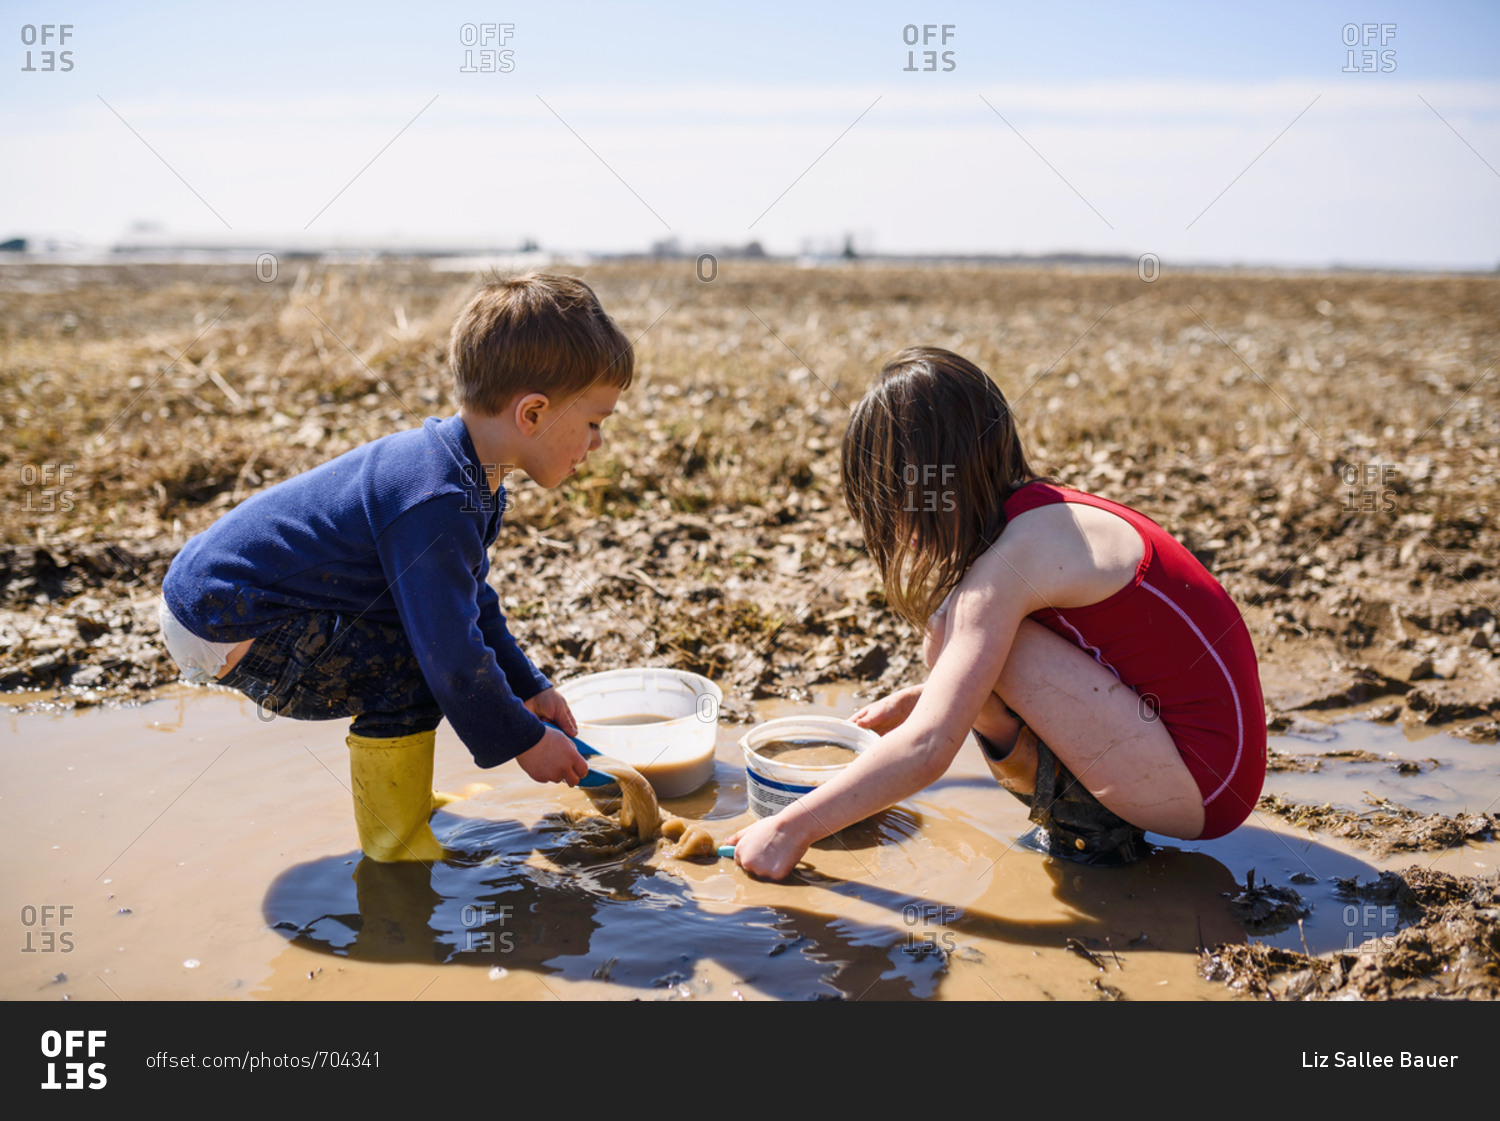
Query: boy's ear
x=528, y=411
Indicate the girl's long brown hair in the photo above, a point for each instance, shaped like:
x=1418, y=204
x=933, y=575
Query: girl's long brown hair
x=929, y=458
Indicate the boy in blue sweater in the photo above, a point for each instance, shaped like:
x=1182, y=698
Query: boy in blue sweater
x=358, y=589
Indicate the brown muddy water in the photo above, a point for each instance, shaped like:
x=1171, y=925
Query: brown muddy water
x=808, y=753
x=189, y=850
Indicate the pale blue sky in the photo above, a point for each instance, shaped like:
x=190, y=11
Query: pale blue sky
x=221, y=48
x=1092, y=127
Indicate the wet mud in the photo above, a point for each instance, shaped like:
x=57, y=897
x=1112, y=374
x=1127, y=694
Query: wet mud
x=1448, y=947
x=628, y=817
x=1388, y=796
x=188, y=830
x=1388, y=827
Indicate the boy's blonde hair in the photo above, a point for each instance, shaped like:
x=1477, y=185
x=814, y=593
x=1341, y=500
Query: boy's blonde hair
x=535, y=333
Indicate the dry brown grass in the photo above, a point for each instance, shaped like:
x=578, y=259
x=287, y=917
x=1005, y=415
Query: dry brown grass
x=1228, y=406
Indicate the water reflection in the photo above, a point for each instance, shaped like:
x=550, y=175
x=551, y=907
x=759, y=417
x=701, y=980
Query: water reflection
x=623, y=919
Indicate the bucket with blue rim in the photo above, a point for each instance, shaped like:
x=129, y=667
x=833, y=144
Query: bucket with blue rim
x=772, y=785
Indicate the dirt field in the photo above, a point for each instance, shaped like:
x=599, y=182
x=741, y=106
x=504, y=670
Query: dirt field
x=1325, y=444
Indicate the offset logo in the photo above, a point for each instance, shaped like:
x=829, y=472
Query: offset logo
x=1361, y=55
x=48, y=36
x=46, y=928
x=928, y=941
x=478, y=935
x=926, y=35
x=487, y=53
x=74, y=1046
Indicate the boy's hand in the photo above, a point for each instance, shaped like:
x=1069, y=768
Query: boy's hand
x=888, y=712
x=553, y=759
x=549, y=705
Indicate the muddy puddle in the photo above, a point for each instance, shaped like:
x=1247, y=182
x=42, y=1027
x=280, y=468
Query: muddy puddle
x=188, y=849
x=1426, y=771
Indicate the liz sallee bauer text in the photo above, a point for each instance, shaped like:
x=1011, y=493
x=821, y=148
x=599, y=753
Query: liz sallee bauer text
x=1369, y=1060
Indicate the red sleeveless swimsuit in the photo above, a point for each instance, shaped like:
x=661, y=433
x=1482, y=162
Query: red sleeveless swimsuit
x=1174, y=634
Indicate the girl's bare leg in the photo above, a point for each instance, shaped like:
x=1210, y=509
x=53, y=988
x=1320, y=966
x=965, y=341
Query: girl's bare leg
x=1095, y=724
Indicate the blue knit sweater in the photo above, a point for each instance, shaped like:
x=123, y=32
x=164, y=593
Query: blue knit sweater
x=397, y=530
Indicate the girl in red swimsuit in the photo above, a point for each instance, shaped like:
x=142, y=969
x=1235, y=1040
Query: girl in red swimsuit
x=1061, y=627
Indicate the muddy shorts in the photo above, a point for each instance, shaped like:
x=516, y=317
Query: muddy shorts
x=322, y=666
x=1071, y=824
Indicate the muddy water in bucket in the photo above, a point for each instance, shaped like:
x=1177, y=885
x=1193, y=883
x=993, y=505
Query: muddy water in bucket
x=791, y=756
x=813, y=753
x=208, y=854
x=662, y=722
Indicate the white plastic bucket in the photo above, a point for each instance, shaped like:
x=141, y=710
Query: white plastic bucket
x=675, y=755
x=770, y=785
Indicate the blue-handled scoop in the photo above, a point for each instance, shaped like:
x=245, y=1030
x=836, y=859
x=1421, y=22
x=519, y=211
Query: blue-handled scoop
x=593, y=778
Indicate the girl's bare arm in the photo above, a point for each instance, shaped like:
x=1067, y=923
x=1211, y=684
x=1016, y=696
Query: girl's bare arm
x=981, y=626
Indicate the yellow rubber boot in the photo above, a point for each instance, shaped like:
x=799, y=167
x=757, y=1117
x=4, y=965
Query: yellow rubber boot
x=393, y=797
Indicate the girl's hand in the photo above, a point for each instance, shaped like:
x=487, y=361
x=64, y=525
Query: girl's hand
x=766, y=849
x=888, y=712
x=549, y=705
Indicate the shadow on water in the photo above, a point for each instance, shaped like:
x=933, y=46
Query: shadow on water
x=614, y=918
x=1188, y=895
x=579, y=916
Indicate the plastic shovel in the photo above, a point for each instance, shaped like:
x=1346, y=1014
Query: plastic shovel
x=593, y=778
